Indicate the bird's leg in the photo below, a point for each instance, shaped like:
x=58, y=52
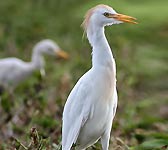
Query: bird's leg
x=7, y=102
x=73, y=147
x=105, y=141
x=11, y=98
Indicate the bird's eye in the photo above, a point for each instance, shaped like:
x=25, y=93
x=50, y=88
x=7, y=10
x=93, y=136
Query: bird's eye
x=106, y=14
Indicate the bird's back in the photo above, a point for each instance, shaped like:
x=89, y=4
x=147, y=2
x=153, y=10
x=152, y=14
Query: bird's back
x=11, y=62
x=13, y=70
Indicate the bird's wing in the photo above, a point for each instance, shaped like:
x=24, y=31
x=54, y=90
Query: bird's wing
x=74, y=119
x=13, y=70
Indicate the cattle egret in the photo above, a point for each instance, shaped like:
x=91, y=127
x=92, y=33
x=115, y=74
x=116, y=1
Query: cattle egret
x=91, y=106
x=14, y=70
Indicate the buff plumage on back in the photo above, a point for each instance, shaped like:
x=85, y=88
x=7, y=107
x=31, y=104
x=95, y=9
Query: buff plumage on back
x=89, y=14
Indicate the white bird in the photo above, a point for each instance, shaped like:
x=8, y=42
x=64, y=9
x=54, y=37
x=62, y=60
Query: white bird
x=90, y=108
x=13, y=70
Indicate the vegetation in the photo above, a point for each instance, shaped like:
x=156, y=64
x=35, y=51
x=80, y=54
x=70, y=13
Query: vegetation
x=141, y=122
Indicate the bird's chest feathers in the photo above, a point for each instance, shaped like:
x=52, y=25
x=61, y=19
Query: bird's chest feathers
x=105, y=84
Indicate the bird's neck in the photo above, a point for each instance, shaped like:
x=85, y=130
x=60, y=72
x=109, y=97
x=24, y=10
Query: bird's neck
x=101, y=55
x=37, y=59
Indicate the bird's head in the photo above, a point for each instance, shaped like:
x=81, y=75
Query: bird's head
x=51, y=48
x=103, y=15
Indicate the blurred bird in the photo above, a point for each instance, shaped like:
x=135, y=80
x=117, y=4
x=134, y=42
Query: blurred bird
x=91, y=106
x=13, y=70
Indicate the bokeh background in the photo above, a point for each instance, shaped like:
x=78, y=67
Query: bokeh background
x=141, y=53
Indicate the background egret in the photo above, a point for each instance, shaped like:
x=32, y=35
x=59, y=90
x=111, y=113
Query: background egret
x=14, y=70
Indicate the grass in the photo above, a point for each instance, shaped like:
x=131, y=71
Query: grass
x=141, y=56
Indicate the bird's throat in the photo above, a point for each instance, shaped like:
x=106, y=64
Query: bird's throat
x=37, y=60
x=102, y=54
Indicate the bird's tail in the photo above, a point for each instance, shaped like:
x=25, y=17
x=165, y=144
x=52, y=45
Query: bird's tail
x=72, y=136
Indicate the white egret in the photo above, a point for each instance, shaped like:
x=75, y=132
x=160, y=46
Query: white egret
x=14, y=70
x=91, y=106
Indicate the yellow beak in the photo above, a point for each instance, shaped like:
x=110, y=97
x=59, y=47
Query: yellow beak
x=62, y=54
x=123, y=18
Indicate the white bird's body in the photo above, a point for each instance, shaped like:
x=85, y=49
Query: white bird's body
x=87, y=122
x=13, y=70
x=91, y=106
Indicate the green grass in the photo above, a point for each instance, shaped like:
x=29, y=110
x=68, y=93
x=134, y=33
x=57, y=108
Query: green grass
x=140, y=52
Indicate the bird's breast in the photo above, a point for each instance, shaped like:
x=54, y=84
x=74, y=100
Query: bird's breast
x=105, y=83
